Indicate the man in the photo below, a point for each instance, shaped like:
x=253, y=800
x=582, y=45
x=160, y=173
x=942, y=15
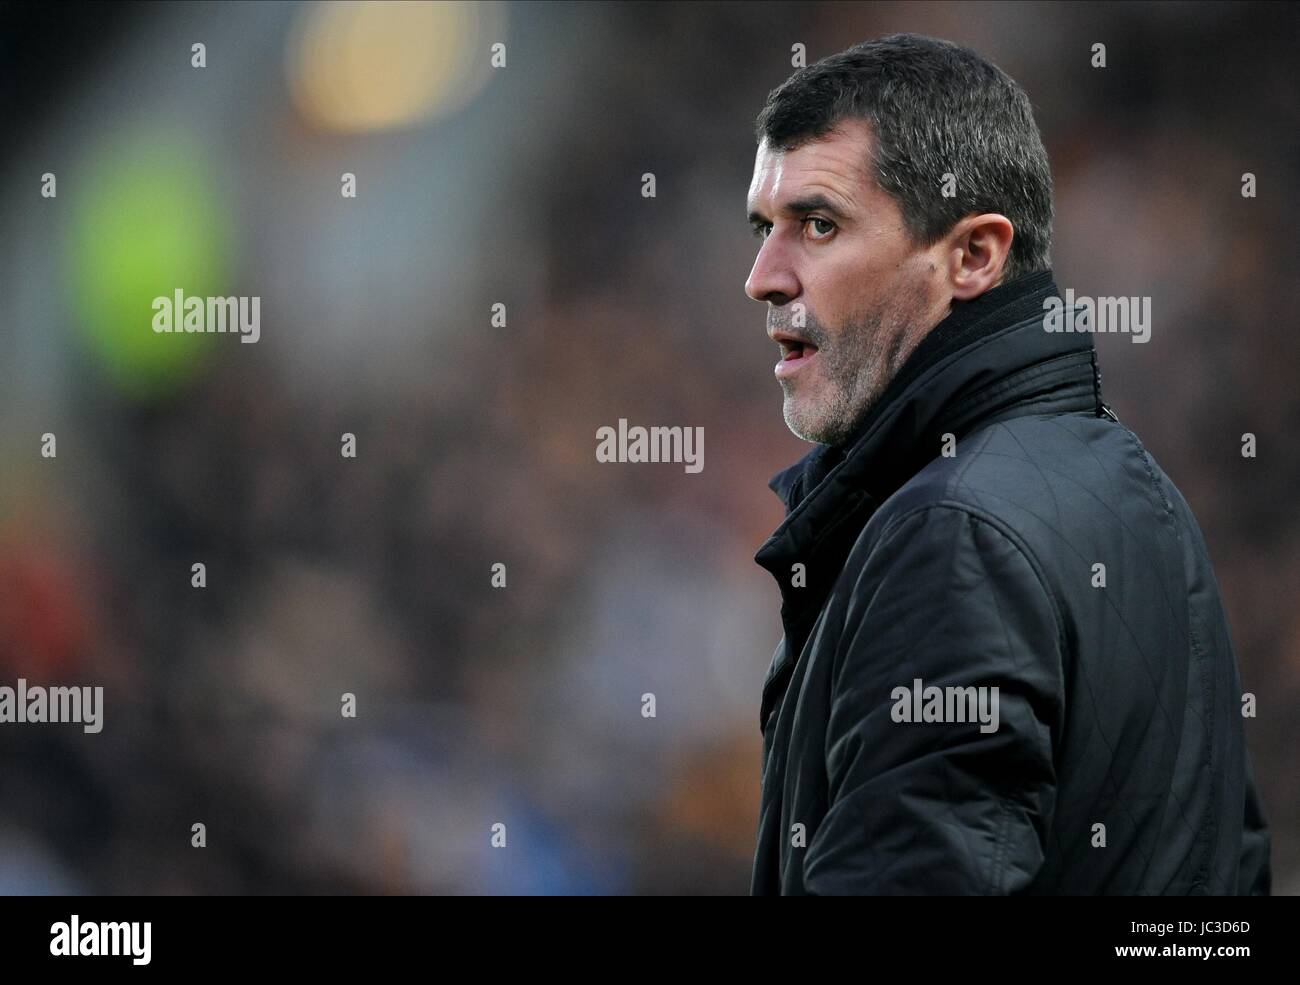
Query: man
x=1006, y=666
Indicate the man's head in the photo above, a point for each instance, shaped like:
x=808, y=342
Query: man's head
x=890, y=180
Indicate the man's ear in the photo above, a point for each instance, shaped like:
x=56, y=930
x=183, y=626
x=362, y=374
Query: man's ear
x=978, y=250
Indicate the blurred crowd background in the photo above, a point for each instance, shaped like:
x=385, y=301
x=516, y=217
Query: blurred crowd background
x=521, y=185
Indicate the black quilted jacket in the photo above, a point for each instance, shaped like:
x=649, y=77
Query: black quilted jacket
x=1039, y=550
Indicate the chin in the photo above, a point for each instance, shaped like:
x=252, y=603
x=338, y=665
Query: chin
x=797, y=419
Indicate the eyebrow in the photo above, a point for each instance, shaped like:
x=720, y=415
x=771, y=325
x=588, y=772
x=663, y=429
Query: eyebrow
x=810, y=203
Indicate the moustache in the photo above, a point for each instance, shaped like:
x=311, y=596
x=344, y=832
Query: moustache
x=811, y=331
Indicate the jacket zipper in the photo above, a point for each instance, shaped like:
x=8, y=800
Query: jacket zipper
x=1103, y=409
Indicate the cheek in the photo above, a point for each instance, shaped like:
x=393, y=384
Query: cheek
x=863, y=276
x=838, y=288
x=920, y=285
x=906, y=285
x=854, y=292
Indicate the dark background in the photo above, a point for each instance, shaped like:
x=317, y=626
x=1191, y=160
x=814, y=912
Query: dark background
x=476, y=444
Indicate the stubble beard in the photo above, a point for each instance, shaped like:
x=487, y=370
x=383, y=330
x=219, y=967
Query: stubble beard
x=855, y=367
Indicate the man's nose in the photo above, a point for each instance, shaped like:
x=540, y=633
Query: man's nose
x=773, y=278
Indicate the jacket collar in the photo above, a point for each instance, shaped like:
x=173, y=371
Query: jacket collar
x=991, y=359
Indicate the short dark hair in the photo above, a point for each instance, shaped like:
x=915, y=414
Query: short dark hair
x=934, y=108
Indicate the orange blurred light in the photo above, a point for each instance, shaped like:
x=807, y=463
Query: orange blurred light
x=377, y=66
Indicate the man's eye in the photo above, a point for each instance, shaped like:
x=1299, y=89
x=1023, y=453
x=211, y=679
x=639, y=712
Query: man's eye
x=824, y=222
x=761, y=229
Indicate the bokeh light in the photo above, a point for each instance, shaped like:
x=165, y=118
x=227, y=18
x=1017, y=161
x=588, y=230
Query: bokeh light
x=378, y=66
x=148, y=221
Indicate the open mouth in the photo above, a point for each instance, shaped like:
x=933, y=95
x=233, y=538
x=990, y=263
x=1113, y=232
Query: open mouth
x=795, y=354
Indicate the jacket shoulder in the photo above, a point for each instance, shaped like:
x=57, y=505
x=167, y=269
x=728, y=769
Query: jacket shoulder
x=1051, y=482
